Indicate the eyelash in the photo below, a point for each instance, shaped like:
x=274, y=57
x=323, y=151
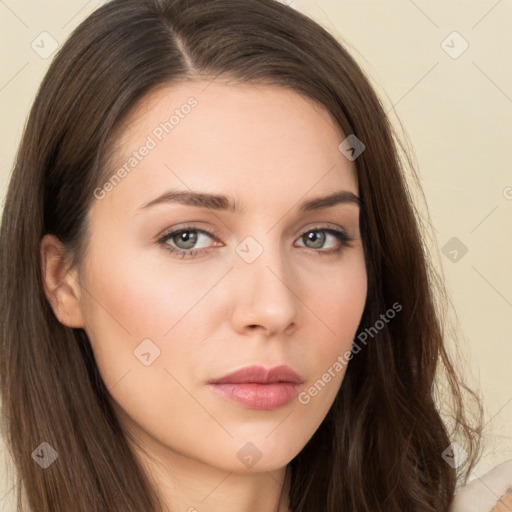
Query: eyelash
x=342, y=236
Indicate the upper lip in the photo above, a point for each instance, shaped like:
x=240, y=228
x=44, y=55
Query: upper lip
x=260, y=375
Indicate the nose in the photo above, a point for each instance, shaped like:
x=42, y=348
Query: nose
x=265, y=295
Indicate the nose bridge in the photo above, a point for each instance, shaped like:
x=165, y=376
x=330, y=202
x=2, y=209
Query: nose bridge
x=265, y=296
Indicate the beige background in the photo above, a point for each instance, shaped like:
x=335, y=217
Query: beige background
x=456, y=108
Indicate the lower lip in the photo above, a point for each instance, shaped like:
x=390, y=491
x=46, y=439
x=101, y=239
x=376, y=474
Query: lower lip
x=259, y=396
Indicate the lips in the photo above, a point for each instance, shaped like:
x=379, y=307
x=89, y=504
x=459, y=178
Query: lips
x=260, y=375
x=257, y=387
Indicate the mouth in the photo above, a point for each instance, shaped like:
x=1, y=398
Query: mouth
x=257, y=387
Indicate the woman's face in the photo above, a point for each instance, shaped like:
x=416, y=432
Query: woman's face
x=262, y=285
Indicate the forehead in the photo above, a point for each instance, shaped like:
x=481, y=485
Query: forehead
x=243, y=140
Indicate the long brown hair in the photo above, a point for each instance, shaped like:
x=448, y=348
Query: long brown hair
x=380, y=447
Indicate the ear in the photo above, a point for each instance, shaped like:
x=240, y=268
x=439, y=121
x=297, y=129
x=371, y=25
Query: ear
x=60, y=285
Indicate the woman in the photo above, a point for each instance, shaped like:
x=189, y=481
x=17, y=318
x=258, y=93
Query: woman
x=216, y=289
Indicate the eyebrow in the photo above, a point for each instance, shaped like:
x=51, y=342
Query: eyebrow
x=222, y=202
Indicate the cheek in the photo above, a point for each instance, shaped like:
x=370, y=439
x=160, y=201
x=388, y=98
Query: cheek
x=130, y=300
x=142, y=318
x=337, y=308
x=146, y=296
x=336, y=298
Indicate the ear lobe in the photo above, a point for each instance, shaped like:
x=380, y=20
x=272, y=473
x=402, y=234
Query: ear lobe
x=60, y=285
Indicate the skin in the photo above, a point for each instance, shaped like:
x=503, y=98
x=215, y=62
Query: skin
x=270, y=148
x=504, y=504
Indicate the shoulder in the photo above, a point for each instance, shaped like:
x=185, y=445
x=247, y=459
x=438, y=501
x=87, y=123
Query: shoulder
x=482, y=493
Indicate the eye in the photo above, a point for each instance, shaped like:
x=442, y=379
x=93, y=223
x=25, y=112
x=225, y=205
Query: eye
x=317, y=237
x=184, y=240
